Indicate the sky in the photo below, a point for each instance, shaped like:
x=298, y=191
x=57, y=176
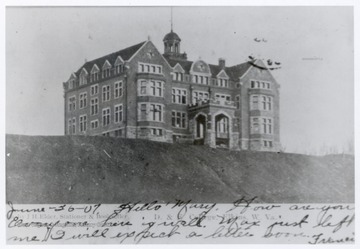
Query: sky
x=315, y=46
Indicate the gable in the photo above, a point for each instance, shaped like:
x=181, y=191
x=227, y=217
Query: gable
x=72, y=77
x=178, y=68
x=83, y=71
x=200, y=66
x=106, y=65
x=95, y=69
x=148, y=53
x=257, y=71
x=222, y=74
x=118, y=61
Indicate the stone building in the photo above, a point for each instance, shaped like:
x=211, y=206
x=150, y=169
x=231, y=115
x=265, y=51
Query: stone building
x=140, y=93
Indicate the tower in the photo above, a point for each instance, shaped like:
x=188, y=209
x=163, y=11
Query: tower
x=171, y=44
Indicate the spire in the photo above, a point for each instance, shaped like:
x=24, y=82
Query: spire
x=171, y=19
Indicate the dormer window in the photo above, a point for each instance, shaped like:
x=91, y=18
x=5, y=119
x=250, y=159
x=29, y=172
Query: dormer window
x=106, y=73
x=106, y=69
x=94, y=76
x=177, y=76
x=119, y=69
x=119, y=65
x=71, y=84
x=83, y=78
x=222, y=82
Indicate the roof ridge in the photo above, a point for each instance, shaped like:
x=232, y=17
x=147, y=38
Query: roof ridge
x=126, y=52
x=119, y=51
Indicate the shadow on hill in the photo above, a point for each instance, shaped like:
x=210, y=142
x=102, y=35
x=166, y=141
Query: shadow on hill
x=78, y=169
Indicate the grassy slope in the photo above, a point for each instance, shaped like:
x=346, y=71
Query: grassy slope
x=77, y=170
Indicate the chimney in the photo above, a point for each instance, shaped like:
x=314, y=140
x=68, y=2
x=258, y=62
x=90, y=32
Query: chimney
x=222, y=63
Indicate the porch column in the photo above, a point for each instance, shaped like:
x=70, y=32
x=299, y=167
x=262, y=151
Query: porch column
x=210, y=132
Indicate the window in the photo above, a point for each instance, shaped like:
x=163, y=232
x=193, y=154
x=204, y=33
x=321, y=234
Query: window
x=94, y=76
x=71, y=84
x=222, y=82
x=83, y=78
x=149, y=68
x=261, y=125
x=118, y=113
x=151, y=88
x=222, y=125
x=222, y=97
x=159, y=87
x=82, y=121
x=204, y=80
x=119, y=68
x=268, y=143
x=106, y=116
x=118, y=91
x=178, y=76
x=257, y=84
x=106, y=93
x=94, y=90
x=255, y=126
x=178, y=119
x=72, y=104
x=69, y=126
x=266, y=126
x=155, y=112
x=237, y=101
x=143, y=87
x=199, y=96
x=106, y=72
x=151, y=112
x=179, y=96
x=143, y=112
x=94, y=106
x=82, y=100
x=265, y=105
x=156, y=132
x=73, y=125
x=106, y=134
x=254, y=105
x=94, y=124
x=119, y=133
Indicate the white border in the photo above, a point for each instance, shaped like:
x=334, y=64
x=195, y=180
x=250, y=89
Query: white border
x=175, y=3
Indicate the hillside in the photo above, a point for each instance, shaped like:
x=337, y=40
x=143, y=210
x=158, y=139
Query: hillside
x=59, y=169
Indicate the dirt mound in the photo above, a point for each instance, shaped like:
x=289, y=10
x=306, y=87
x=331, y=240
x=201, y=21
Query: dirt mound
x=77, y=169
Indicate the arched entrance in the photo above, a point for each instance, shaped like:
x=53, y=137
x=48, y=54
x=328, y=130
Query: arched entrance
x=222, y=130
x=200, y=129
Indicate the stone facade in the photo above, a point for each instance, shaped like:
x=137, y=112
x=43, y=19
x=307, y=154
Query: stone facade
x=140, y=93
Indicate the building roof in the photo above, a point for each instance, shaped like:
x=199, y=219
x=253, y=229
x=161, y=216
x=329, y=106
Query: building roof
x=185, y=64
x=237, y=71
x=171, y=36
x=125, y=54
x=233, y=72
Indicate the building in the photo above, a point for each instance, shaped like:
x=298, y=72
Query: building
x=140, y=93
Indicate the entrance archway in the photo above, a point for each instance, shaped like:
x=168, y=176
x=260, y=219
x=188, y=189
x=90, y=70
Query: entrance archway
x=200, y=129
x=222, y=131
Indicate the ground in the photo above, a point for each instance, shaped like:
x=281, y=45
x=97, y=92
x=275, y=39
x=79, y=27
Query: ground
x=79, y=169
